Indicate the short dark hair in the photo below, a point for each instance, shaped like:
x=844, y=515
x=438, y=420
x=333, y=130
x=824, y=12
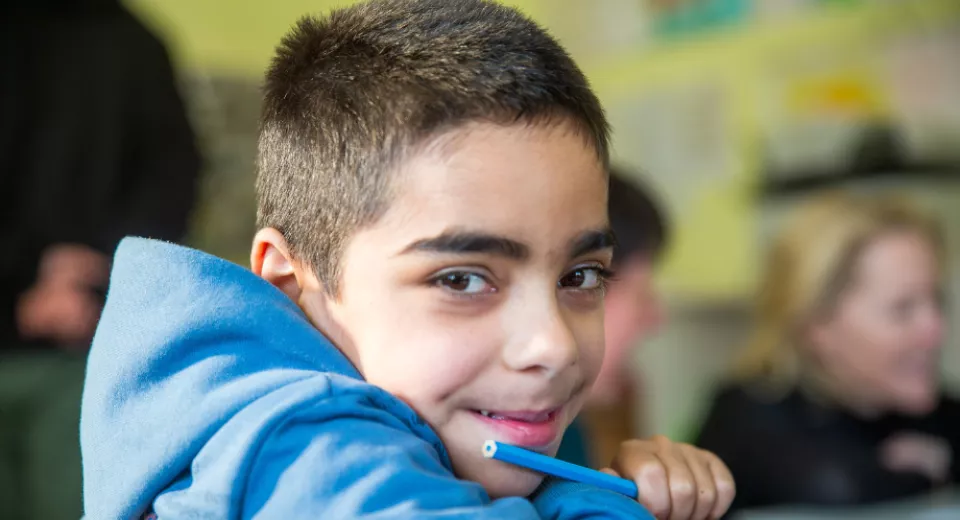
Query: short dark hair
x=349, y=96
x=638, y=222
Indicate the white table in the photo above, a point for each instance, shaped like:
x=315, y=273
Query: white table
x=940, y=506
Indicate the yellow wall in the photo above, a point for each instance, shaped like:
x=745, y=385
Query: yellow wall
x=716, y=252
x=236, y=36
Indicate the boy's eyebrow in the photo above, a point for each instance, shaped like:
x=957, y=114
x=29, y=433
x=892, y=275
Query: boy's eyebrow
x=462, y=242
x=591, y=241
x=471, y=242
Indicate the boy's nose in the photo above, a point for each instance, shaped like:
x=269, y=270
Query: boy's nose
x=543, y=341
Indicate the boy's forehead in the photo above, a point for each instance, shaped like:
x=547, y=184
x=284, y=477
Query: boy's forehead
x=528, y=183
x=488, y=157
x=479, y=135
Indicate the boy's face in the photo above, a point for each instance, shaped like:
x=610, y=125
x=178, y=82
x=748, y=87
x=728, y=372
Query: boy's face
x=477, y=298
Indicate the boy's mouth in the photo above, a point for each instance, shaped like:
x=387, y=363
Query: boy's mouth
x=520, y=416
x=530, y=429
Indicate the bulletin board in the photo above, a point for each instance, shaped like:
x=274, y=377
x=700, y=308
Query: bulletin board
x=709, y=118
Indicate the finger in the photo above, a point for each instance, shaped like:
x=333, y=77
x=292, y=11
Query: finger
x=892, y=459
x=723, y=480
x=609, y=471
x=681, y=485
x=706, y=489
x=892, y=456
x=637, y=461
x=34, y=317
x=78, y=315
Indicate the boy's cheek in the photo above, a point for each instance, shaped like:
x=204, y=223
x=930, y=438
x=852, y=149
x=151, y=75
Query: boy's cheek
x=591, y=362
x=434, y=377
x=429, y=368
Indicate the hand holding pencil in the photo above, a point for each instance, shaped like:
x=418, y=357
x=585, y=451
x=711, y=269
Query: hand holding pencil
x=673, y=481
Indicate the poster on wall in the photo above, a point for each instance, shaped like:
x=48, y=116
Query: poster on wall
x=682, y=135
x=922, y=73
x=887, y=106
x=818, y=108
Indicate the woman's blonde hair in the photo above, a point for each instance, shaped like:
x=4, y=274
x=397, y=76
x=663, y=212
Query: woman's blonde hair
x=810, y=264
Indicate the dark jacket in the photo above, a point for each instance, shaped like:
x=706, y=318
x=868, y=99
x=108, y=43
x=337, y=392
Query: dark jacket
x=94, y=140
x=793, y=451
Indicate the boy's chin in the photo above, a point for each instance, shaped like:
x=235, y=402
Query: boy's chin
x=500, y=479
x=511, y=482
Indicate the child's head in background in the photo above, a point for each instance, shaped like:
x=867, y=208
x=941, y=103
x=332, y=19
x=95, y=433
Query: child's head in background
x=432, y=191
x=633, y=311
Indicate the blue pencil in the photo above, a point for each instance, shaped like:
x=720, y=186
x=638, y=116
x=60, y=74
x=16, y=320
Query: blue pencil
x=557, y=468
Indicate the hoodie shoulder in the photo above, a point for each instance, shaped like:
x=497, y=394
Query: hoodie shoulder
x=185, y=342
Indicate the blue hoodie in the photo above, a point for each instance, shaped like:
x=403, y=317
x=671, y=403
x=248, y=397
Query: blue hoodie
x=210, y=395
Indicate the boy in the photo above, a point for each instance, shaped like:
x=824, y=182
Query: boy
x=429, y=275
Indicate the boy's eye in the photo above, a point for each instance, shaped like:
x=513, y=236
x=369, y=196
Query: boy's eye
x=464, y=283
x=583, y=278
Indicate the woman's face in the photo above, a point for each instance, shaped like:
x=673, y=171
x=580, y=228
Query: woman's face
x=880, y=348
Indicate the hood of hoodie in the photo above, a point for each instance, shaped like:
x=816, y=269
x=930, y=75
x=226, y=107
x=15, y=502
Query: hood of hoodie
x=186, y=340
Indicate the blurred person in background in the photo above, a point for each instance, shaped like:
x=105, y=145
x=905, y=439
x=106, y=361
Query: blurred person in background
x=94, y=145
x=632, y=312
x=838, y=399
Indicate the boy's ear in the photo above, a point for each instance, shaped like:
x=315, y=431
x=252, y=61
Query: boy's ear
x=271, y=260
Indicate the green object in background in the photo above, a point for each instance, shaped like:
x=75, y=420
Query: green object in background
x=725, y=12
x=574, y=448
x=40, y=472
x=839, y=2
x=686, y=432
x=698, y=16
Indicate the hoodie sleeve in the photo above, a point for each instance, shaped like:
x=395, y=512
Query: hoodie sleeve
x=347, y=457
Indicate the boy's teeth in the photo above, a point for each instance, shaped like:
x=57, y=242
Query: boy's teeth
x=491, y=415
x=518, y=416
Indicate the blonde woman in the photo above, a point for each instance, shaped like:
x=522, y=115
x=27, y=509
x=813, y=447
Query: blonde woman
x=837, y=398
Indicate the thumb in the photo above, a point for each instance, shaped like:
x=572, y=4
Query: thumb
x=609, y=471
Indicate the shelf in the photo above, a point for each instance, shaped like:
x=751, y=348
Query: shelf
x=811, y=182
